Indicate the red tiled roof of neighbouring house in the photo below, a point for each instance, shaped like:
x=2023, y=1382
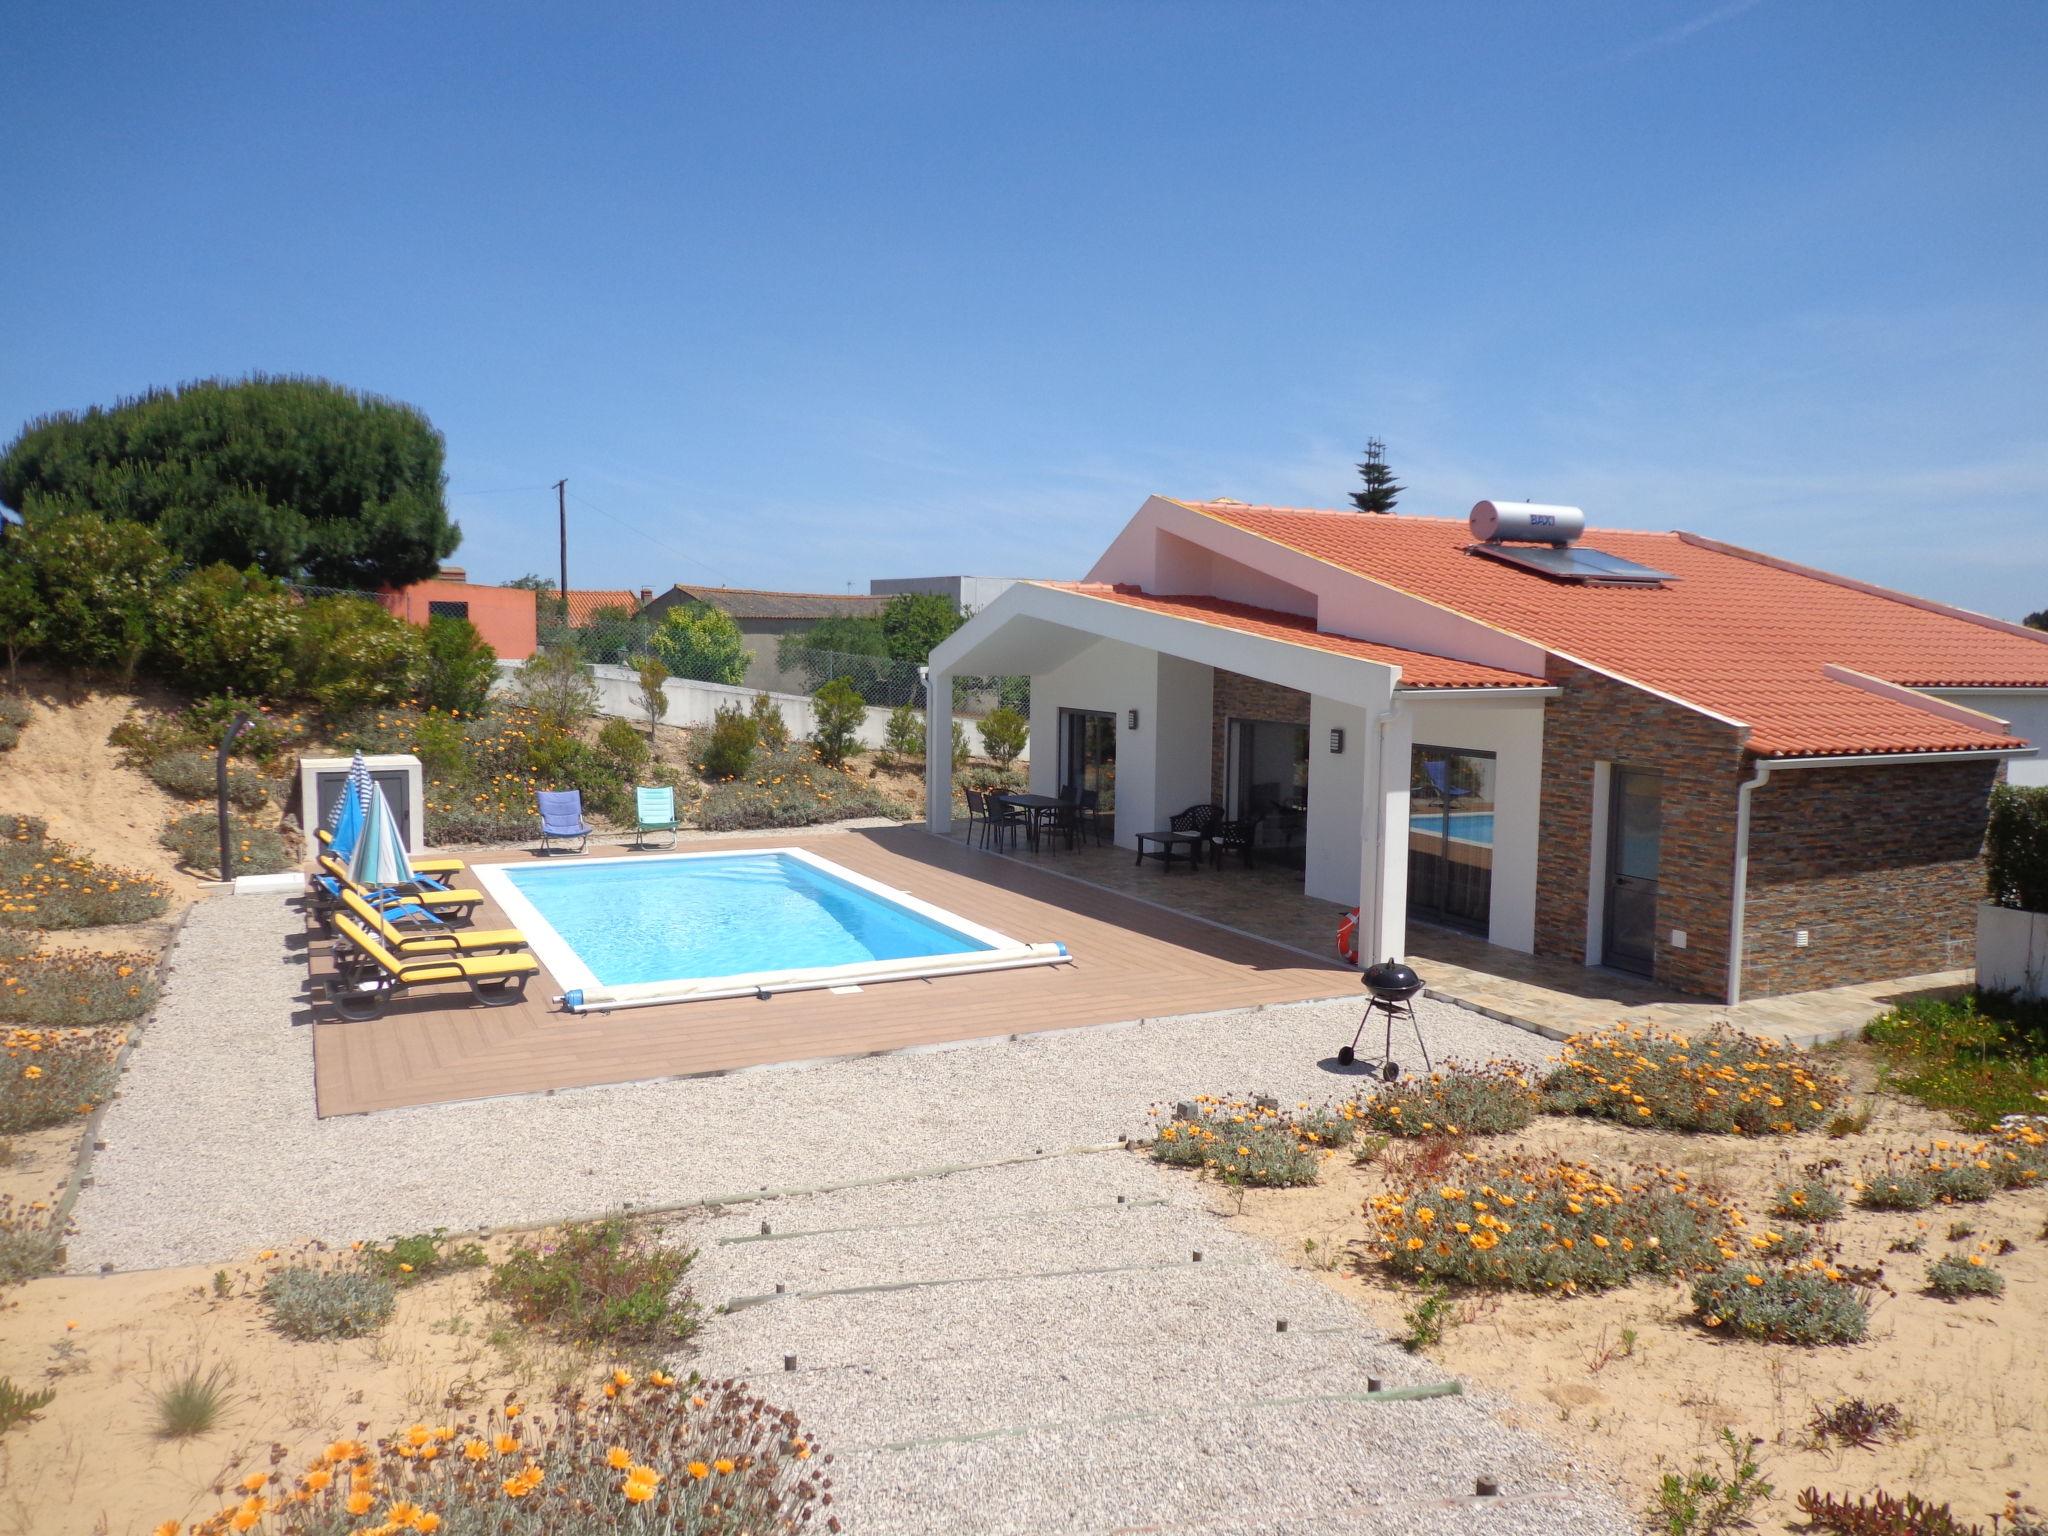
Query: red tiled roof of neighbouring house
x=1419, y=669
x=752, y=603
x=1737, y=634
x=584, y=603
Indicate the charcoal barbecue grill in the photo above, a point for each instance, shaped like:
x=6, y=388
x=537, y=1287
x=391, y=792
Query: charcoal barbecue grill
x=1392, y=986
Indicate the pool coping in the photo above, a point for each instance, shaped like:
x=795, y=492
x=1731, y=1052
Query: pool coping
x=584, y=992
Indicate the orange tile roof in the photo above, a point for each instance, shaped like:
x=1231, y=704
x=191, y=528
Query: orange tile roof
x=584, y=602
x=1737, y=634
x=1419, y=669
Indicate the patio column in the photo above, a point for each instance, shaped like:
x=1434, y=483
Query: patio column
x=938, y=752
x=1383, y=835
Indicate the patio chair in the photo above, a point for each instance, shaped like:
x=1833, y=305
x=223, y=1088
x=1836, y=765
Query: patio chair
x=1232, y=836
x=977, y=810
x=1088, y=813
x=431, y=871
x=433, y=941
x=561, y=818
x=1440, y=780
x=655, y=808
x=367, y=975
x=331, y=882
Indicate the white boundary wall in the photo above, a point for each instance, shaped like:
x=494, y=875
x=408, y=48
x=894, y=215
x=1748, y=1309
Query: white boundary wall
x=694, y=703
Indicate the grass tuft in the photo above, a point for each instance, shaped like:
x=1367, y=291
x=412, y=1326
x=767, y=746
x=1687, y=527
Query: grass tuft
x=194, y=1402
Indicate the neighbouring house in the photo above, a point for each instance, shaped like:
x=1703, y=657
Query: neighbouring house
x=1649, y=751
x=969, y=594
x=765, y=618
x=585, y=603
x=504, y=616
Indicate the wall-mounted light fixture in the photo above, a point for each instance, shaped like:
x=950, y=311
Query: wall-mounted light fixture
x=1132, y=719
x=1336, y=738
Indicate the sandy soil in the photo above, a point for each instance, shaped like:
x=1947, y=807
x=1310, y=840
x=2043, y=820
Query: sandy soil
x=1972, y=1376
x=93, y=1461
x=63, y=771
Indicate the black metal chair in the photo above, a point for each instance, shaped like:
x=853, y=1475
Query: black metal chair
x=1198, y=819
x=1232, y=837
x=1088, y=813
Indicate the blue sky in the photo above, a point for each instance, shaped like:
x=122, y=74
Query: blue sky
x=799, y=296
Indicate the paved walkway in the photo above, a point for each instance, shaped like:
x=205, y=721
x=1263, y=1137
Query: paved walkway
x=1551, y=996
x=1075, y=1345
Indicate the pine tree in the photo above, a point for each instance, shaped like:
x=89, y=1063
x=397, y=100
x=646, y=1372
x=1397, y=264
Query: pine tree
x=1381, y=491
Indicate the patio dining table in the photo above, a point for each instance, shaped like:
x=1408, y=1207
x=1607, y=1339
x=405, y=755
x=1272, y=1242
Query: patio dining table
x=1041, y=812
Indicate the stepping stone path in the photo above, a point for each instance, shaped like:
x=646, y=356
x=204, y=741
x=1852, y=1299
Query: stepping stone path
x=1036, y=1348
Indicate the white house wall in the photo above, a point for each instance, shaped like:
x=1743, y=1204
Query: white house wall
x=1513, y=732
x=2025, y=710
x=1163, y=765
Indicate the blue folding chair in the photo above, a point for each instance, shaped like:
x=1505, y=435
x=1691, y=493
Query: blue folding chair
x=561, y=818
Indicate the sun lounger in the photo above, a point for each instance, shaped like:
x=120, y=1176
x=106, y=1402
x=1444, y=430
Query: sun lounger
x=367, y=975
x=561, y=817
x=434, y=940
x=439, y=868
x=655, y=806
x=398, y=903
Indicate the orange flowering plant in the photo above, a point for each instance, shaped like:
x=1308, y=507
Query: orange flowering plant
x=646, y=1453
x=1724, y=1083
x=44, y=884
x=1810, y=1303
x=1489, y=1100
x=72, y=988
x=49, y=1076
x=1253, y=1141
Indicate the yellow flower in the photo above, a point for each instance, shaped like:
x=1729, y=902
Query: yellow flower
x=505, y=1445
x=723, y=1466
x=1752, y=1279
x=618, y=1458
x=360, y=1501
x=426, y=1522
x=699, y=1470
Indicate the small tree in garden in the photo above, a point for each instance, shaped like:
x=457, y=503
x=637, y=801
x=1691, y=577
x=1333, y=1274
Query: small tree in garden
x=838, y=711
x=730, y=750
x=556, y=684
x=460, y=668
x=770, y=729
x=904, y=734
x=653, y=689
x=914, y=622
x=1003, y=735
x=22, y=613
x=696, y=641
x=960, y=746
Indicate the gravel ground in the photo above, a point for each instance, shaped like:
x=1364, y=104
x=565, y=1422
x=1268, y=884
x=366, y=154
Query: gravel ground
x=213, y=1150
x=1011, y=1350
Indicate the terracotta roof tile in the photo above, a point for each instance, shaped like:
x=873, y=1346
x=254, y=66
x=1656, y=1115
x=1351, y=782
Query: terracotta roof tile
x=1419, y=669
x=584, y=602
x=1736, y=634
x=752, y=603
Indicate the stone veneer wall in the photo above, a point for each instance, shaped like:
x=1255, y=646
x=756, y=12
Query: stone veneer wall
x=1882, y=866
x=1237, y=697
x=1596, y=719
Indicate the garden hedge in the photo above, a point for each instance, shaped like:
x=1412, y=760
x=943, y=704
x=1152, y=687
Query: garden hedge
x=2016, y=847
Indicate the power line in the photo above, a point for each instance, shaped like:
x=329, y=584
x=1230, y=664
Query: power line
x=661, y=543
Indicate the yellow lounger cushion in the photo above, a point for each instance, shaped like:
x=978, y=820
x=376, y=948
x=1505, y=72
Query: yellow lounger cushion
x=436, y=967
x=432, y=940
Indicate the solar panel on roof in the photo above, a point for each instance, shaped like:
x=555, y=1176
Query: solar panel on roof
x=1569, y=562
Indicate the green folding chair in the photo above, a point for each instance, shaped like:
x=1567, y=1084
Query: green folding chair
x=656, y=808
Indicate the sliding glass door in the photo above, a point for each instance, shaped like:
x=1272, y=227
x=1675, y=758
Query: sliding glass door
x=1088, y=756
x=1450, y=836
x=1268, y=783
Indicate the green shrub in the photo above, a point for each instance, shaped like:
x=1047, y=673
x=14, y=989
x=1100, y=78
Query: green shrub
x=346, y=1302
x=559, y=761
x=1961, y=1182
x=29, y=1244
x=422, y=1256
x=1456, y=1101
x=1980, y=1056
x=1953, y=1276
x=18, y=1405
x=1527, y=1224
x=95, y=582
x=220, y=628
x=1813, y=1201
x=785, y=790
x=1004, y=734
x=729, y=746
x=770, y=729
x=192, y=1402
x=10, y=736
x=1894, y=1190
x=1244, y=1141
x=1707, y=1500
x=837, y=715
x=904, y=733
x=69, y=989
x=601, y=1282
x=961, y=747
x=43, y=884
x=458, y=667
x=14, y=715
x=557, y=686
x=50, y=1076
x=353, y=655
x=698, y=641
x=192, y=776
x=441, y=746
x=255, y=850
x=624, y=750
x=1721, y=1082
x=1786, y=1306
x=268, y=735
x=2016, y=847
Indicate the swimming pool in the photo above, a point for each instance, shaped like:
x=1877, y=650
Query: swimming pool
x=1465, y=826
x=681, y=926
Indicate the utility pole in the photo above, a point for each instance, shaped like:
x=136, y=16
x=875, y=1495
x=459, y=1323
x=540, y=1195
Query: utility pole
x=562, y=512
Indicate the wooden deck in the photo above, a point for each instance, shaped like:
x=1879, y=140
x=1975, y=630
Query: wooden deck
x=1131, y=961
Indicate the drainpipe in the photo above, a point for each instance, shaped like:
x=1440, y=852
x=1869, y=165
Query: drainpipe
x=1741, y=902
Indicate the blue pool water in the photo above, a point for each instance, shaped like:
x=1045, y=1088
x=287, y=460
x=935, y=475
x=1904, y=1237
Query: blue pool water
x=724, y=915
x=1466, y=826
